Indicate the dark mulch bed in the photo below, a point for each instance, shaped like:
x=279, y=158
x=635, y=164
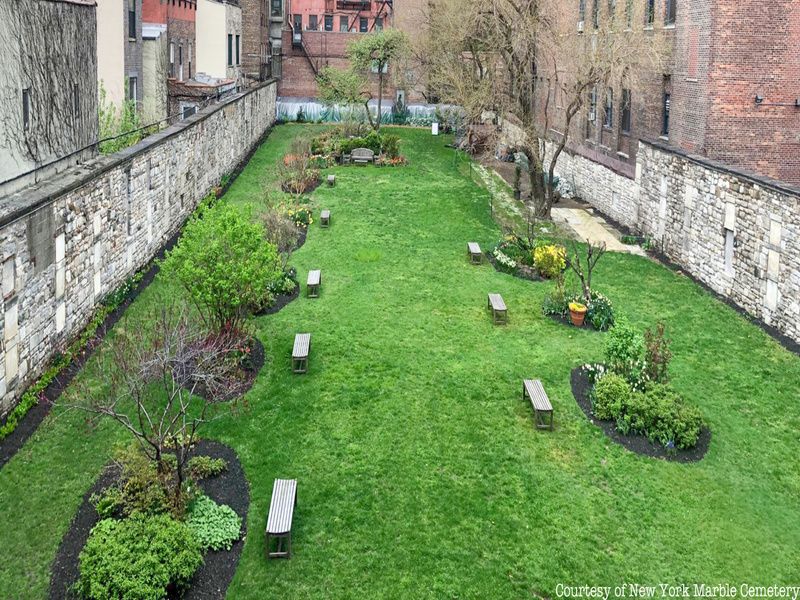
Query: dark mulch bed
x=568, y=322
x=634, y=442
x=212, y=579
x=25, y=428
x=313, y=185
x=523, y=272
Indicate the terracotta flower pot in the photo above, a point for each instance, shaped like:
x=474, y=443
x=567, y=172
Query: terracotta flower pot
x=577, y=313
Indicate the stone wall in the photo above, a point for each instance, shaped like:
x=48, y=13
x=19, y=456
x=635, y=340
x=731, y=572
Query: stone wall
x=737, y=233
x=67, y=243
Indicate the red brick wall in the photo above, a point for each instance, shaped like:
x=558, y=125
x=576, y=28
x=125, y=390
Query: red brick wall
x=255, y=37
x=756, y=51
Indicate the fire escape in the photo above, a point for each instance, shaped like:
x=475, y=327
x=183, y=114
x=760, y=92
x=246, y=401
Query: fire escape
x=357, y=7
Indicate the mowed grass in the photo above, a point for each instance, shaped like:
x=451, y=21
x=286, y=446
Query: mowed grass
x=420, y=473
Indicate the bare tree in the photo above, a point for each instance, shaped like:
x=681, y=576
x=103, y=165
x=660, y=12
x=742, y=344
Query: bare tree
x=582, y=262
x=525, y=61
x=162, y=386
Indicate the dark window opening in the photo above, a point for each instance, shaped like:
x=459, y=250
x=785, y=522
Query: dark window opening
x=131, y=19
x=596, y=14
x=666, y=105
x=328, y=22
x=581, y=10
x=378, y=24
x=650, y=12
x=75, y=101
x=312, y=22
x=26, y=109
x=230, y=49
x=608, y=117
x=344, y=25
x=626, y=111
x=298, y=22
x=277, y=8
x=671, y=11
x=237, y=50
x=363, y=25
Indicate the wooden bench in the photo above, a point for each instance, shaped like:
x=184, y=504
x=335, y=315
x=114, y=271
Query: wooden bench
x=362, y=156
x=474, y=253
x=542, y=409
x=279, y=520
x=498, y=308
x=325, y=218
x=313, y=284
x=302, y=347
x=331, y=180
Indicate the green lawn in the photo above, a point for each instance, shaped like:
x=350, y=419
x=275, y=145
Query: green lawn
x=420, y=474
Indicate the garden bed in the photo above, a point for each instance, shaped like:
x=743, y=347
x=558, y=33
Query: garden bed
x=639, y=444
x=212, y=579
x=521, y=271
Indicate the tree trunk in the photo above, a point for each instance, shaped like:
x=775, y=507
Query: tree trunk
x=541, y=206
x=380, y=97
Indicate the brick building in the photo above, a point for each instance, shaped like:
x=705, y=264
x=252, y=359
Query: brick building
x=179, y=17
x=316, y=35
x=262, y=22
x=730, y=90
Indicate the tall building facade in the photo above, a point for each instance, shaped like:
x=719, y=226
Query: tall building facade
x=119, y=50
x=729, y=90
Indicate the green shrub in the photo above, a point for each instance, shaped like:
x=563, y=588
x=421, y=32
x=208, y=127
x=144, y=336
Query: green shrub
x=550, y=260
x=600, y=312
x=138, y=558
x=624, y=354
x=610, y=395
x=391, y=145
x=139, y=488
x=226, y=265
x=555, y=303
x=201, y=467
x=663, y=416
x=215, y=526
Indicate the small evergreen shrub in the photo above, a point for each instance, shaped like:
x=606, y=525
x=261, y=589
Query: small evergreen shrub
x=215, y=526
x=139, y=558
x=611, y=393
x=663, y=416
x=201, y=467
x=624, y=354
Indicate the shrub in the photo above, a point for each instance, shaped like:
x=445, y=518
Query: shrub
x=624, y=354
x=280, y=230
x=139, y=558
x=301, y=216
x=391, y=145
x=215, y=526
x=663, y=416
x=601, y=311
x=504, y=262
x=556, y=303
x=226, y=265
x=610, y=394
x=201, y=467
x=550, y=260
x=657, y=354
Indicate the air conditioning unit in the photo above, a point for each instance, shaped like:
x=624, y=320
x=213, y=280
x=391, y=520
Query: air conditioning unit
x=580, y=26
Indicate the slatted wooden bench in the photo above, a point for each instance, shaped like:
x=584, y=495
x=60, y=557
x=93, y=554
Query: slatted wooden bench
x=542, y=409
x=331, y=180
x=313, y=283
x=474, y=253
x=325, y=218
x=302, y=347
x=498, y=308
x=362, y=156
x=279, y=520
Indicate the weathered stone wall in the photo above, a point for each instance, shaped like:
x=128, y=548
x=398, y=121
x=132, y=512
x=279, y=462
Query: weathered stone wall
x=739, y=234
x=69, y=242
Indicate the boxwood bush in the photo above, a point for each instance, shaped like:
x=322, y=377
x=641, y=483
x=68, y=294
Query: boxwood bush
x=138, y=558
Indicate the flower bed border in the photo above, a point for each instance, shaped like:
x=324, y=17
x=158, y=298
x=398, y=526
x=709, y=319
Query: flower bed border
x=636, y=443
x=521, y=272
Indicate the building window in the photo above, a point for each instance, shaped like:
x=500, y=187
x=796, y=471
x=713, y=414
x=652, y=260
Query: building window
x=75, y=101
x=188, y=111
x=629, y=13
x=344, y=25
x=671, y=9
x=132, y=89
x=190, y=60
x=238, y=52
x=593, y=105
x=297, y=21
x=378, y=24
x=581, y=10
x=180, y=63
x=312, y=22
x=665, y=106
x=625, y=118
x=650, y=12
x=26, y=109
x=328, y=22
x=172, y=59
x=131, y=19
x=230, y=49
x=596, y=14
x=608, y=117
x=277, y=8
x=363, y=25
x=612, y=10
